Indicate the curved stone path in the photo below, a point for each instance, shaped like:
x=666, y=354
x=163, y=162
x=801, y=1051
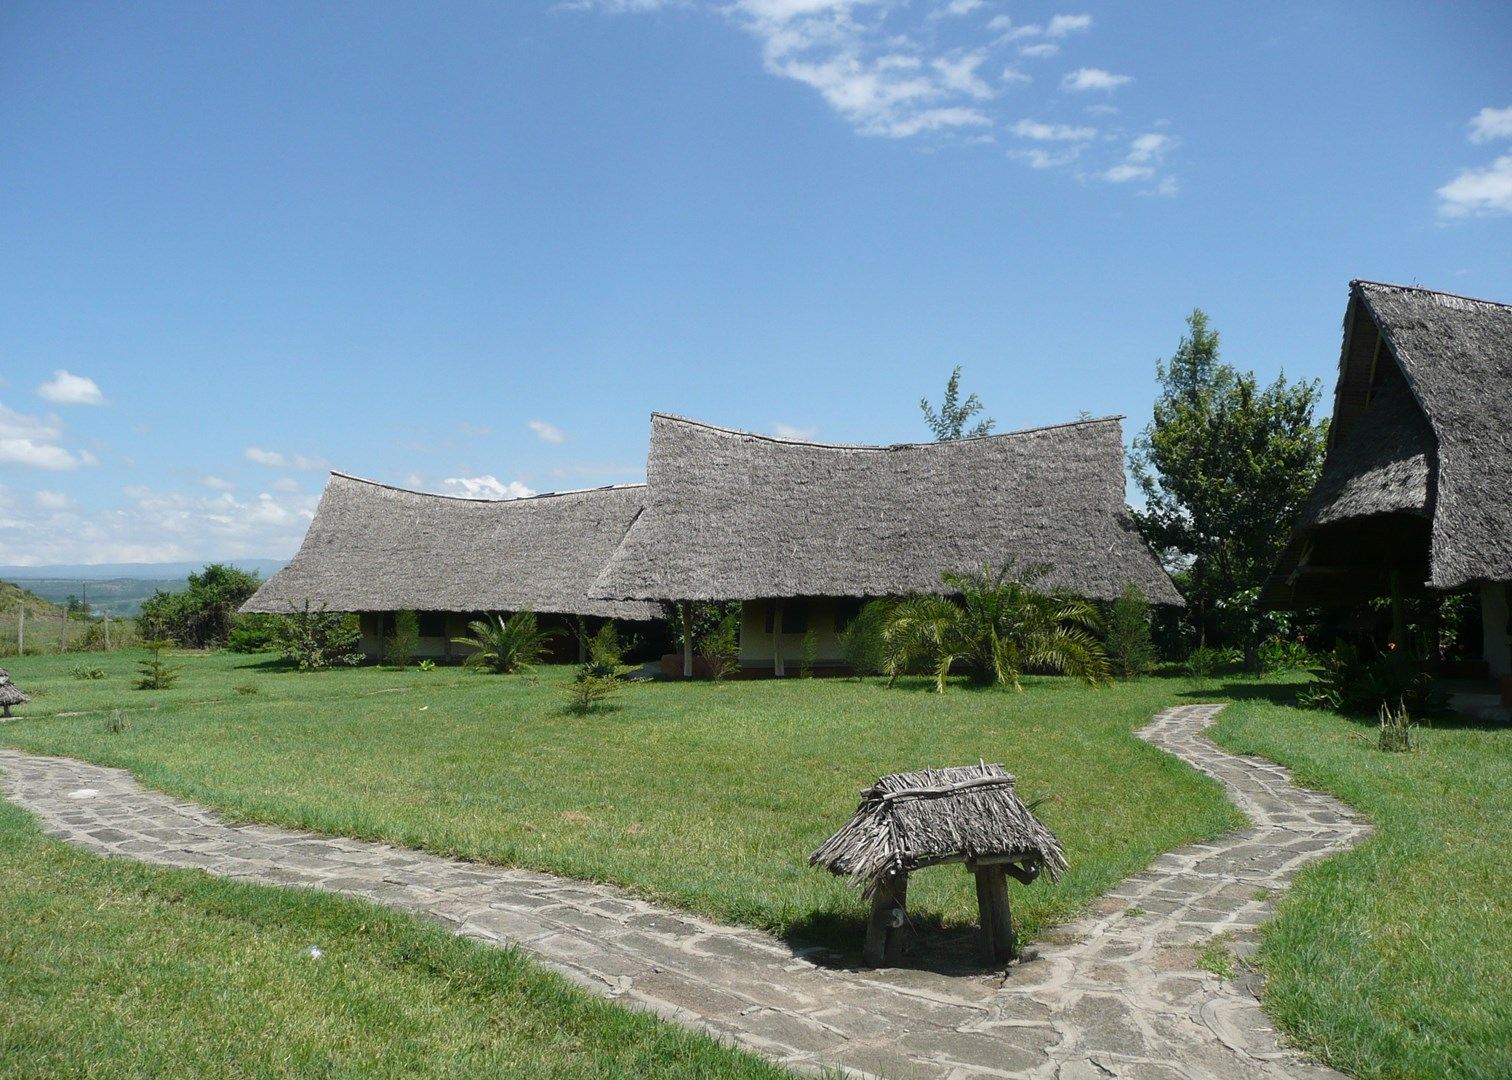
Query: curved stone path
x=1117, y=994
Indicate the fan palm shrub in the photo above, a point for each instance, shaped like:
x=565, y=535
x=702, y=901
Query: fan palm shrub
x=503, y=645
x=996, y=626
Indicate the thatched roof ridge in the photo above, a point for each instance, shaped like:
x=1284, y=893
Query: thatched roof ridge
x=735, y=515
x=1456, y=354
x=915, y=819
x=376, y=547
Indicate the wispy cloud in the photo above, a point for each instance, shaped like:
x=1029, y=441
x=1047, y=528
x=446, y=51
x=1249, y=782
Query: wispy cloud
x=546, y=432
x=66, y=388
x=486, y=487
x=1094, y=79
x=794, y=432
x=1486, y=190
x=1143, y=160
x=35, y=442
x=276, y=460
x=1042, y=132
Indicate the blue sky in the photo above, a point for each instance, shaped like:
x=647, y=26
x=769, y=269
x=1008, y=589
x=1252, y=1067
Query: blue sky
x=472, y=247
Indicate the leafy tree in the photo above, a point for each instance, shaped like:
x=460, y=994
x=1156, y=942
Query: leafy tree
x=317, y=639
x=1131, y=651
x=202, y=615
x=1224, y=467
x=996, y=627
x=503, y=645
x=950, y=422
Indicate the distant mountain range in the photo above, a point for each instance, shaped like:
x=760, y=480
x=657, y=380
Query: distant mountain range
x=116, y=589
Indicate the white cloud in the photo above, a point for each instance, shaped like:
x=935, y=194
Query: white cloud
x=216, y=483
x=1143, y=161
x=1482, y=192
x=276, y=460
x=1126, y=171
x=1042, y=132
x=151, y=526
x=959, y=7
x=1150, y=146
x=52, y=500
x=287, y=483
x=66, y=388
x=1012, y=74
x=546, y=432
x=1061, y=25
x=33, y=441
x=793, y=432
x=486, y=487
x=1491, y=124
x=1094, y=79
x=959, y=73
x=1043, y=49
x=1039, y=158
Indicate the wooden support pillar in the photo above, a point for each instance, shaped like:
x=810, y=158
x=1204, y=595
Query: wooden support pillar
x=1398, y=613
x=884, y=928
x=1495, y=621
x=778, y=668
x=687, y=636
x=992, y=906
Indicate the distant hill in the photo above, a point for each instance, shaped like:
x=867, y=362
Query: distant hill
x=12, y=596
x=117, y=589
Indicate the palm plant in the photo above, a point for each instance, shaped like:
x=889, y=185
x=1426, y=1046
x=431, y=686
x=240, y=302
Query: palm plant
x=996, y=626
x=504, y=645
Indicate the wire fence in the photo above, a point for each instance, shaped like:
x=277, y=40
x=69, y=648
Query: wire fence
x=29, y=631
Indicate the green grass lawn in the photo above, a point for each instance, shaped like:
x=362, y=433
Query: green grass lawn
x=1395, y=959
x=706, y=796
x=113, y=969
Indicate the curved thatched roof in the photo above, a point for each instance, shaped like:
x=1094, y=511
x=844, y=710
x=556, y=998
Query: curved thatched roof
x=10, y=693
x=1420, y=429
x=737, y=516
x=372, y=547
x=916, y=819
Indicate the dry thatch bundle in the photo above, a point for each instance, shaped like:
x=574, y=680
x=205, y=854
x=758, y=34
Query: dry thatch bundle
x=732, y=515
x=908, y=821
x=373, y=547
x=1418, y=452
x=10, y=694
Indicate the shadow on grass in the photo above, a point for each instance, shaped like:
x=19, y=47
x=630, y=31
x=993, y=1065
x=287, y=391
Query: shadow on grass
x=1276, y=693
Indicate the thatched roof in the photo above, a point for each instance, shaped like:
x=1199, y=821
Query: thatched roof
x=1420, y=431
x=10, y=694
x=916, y=819
x=372, y=547
x=736, y=516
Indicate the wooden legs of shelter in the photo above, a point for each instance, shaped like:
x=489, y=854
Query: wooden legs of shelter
x=992, y=905
x=884, y=930
x=779, y=670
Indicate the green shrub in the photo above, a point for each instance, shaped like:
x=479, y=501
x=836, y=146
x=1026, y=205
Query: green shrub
x=719, y=645
x=426, y=665
x=1208, y=660
x=1278, y=654
x=202, y=616
x=606, y=650
x=155, y=674
x=85, y=671
x=863, y=643
x=1356, y=682
x=1131, y=651
x=1396, y=729
x=317, y=639
x=253, y=632
x=502, y=646
x=590, y=690
x=400, y=646
x=245, y=689
x=809, y=656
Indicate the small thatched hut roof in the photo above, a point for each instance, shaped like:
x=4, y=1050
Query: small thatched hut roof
x=962, y=814
x=372, y=547
x=732, y=515
x=10, y=693
x=1420, y=451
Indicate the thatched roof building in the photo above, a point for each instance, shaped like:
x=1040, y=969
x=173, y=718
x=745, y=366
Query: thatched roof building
x=10, y=693
x=908, y=821
x=732, y=515
x=376, y=548
x=1416, y=481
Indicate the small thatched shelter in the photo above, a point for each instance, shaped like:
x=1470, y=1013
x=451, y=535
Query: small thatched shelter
x=1416, y=490
x=801, y=532
x=966, y=814
x=375, y=550
x=10, y=694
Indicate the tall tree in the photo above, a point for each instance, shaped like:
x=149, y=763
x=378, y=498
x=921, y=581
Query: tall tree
x=950, y=422
x=1224, y=467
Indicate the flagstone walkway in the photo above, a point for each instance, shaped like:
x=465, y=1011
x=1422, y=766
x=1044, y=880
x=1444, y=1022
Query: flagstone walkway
x=1119, y=993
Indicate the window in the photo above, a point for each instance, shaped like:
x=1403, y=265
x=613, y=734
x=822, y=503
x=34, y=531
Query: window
x=794, y=616
x=432, y=623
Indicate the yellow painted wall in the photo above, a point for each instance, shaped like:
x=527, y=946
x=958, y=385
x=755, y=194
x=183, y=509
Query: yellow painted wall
x=757, y=648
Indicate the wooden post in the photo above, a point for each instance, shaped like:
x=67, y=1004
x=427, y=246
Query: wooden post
x=687, y=628
x=21, y=630
x=778, y=668
x=992, y=908
x=107, y=631
x=884, y=928
x=1398, y=613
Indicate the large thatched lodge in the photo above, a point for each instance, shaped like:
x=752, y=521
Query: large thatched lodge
x=1416, y=490
x=800, y=533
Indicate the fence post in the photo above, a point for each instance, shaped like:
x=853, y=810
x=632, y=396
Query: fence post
x=21, y=630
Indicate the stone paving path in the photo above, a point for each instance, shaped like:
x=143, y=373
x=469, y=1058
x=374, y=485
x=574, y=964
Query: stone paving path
x=1117, y=994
